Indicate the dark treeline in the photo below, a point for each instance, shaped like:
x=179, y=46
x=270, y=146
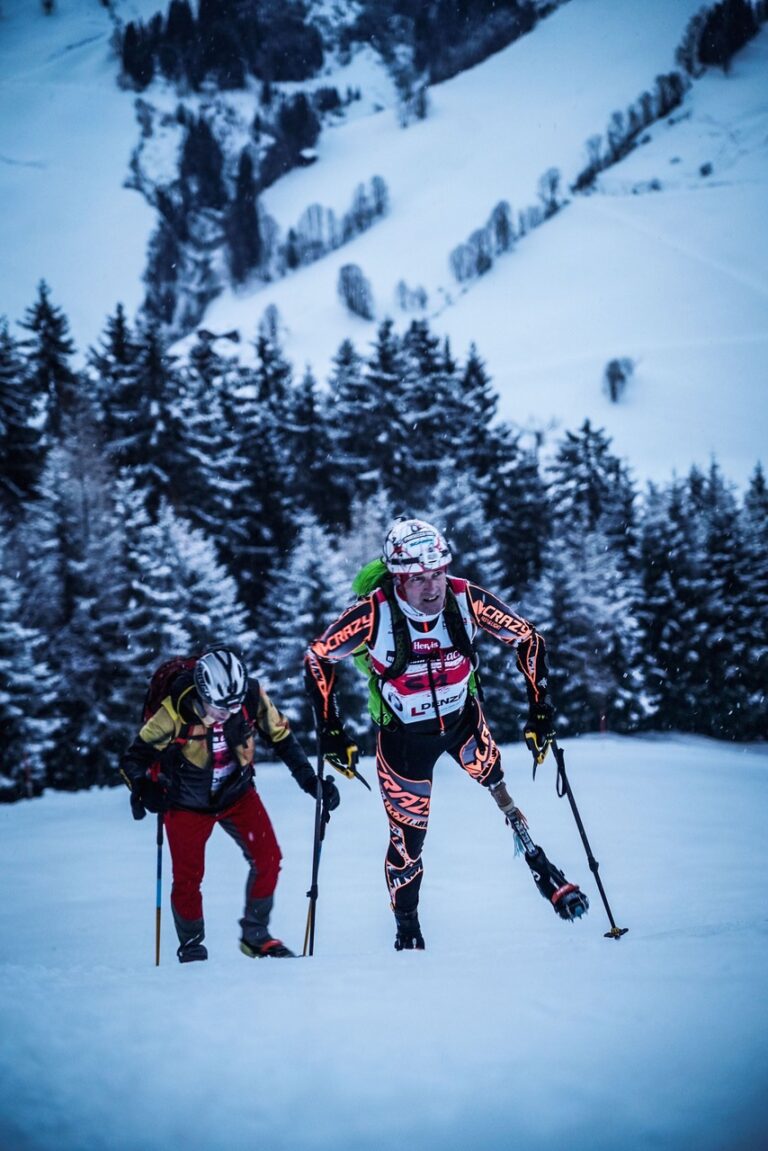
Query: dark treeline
x=225, y=42
x=150, y=505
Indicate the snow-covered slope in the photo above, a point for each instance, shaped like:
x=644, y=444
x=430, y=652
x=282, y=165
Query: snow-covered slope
x=66, y=135
x=674, y=279
x=511, y=1030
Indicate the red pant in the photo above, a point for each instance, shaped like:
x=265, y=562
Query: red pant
x=189, y=831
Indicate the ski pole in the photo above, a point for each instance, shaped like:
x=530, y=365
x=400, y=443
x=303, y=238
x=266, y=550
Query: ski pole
x=159, y=900
x=563, y=788
x=319, y=835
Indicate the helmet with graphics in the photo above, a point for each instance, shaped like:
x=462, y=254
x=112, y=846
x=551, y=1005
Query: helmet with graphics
x=413, y=545
x=221, y=679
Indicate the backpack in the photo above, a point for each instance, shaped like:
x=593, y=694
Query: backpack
x=162, y=678
x=158, y=688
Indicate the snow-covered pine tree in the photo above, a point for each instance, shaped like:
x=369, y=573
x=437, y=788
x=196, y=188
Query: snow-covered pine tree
x=507, y=475
x=591, y=487
x=388, y=443
x=313, y=588
x=27, y=729
x=162, y=275
x=48, y=350
x=516, y=499
x=242, y=223
x=213, y=612
x=354, y=413
x=263, y=520
x=315, y=483
x=210, y=447
x=171, y=596
x=67, y=565
x=584, y=605
x=752, y=610
x=145, y=428
x=667, y=607
x=721, y=649
x=155, y=614
x=429, y=413
x=201, y=168
x=588, y=591
x=111, y=368
x=273, y=374
x=21, y=450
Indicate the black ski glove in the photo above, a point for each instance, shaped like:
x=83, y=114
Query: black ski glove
x=539, y=730
x=331, y=797
x=339, y=750
x=148, y=794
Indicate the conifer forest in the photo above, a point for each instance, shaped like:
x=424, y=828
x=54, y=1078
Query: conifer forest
x=151, y=506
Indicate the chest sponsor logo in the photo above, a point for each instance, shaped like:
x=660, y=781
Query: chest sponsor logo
x=425, y=646
x=446, y=702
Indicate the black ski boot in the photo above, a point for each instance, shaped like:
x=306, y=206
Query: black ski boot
x=192, y=950
x=568, y=901
x=266, y=948
x=256, y=942
x=409, y=937
x=191, y=933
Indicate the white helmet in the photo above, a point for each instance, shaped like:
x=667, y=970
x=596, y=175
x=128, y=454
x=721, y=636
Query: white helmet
x=220, y=678
x=415, y=546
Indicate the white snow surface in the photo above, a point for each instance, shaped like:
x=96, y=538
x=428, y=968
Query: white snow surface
x=513, y=1029
x=66, y=135
x=675, y=279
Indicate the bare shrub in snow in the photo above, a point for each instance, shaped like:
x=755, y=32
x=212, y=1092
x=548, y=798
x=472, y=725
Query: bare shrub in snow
x=356, y=291
x=616, y=376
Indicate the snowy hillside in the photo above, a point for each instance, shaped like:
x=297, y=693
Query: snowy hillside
x=512, y=1029
x=675, y=279
x=663, y=265
x=66, y=135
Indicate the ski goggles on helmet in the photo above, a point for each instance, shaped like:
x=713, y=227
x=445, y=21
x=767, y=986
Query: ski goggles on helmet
x=220, y=713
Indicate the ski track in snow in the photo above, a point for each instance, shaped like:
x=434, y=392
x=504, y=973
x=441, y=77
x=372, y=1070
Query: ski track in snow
x=641, y=349
x=629, y=220
x=23, y=163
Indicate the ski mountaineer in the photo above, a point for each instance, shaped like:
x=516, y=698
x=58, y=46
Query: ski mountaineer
x=412, y=632
x=204, y=730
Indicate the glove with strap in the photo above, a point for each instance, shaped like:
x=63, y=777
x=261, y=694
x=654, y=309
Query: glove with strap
x=148, y=794
x=331, y=797
x=339, y=750
x=539, y=730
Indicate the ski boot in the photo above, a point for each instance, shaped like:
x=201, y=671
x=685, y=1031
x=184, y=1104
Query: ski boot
x=409, y=937
x=191, y=933
x=192, y=951
x=568, y=901
x=266, y=948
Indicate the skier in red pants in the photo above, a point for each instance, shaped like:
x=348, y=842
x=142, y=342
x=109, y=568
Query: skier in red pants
x=203, y=732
